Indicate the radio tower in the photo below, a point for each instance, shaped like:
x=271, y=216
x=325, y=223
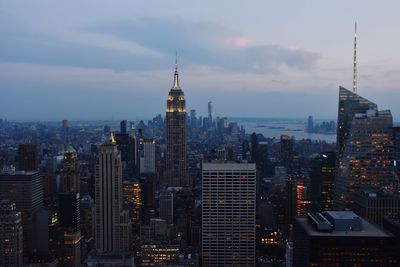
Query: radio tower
x=355, y=60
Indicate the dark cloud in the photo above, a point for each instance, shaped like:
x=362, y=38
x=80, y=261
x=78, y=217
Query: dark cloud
x=198, y=43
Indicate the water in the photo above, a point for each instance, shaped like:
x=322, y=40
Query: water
x=275, y=127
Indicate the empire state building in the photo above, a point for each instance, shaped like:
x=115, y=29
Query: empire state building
x=176, y=172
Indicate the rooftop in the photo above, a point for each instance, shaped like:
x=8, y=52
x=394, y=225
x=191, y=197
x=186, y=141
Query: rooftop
x=368, y=229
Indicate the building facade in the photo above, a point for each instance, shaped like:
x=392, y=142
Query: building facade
x=228, y=214
x=176, y=158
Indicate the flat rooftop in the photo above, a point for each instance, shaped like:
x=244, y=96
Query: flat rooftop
x=368, y=230
x=343, y=215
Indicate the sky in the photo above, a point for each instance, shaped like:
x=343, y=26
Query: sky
x=99, y=59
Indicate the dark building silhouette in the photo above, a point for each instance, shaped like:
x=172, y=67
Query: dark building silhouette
x=11, y=242
x=25, y=189
x=254, y=148
x=123, y=127
x=28, y=157
x=69, y=210
x=322, y=178
x=70, y=171
x=176, y=158
x=341, y=239
x=286, y=150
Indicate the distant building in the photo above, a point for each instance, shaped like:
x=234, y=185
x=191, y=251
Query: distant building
x=228, y=215
x=11, y=246
x=310, y=124
x=147, y=155
x=341, y=238
x=123, y=127
x=28, y=157
x=176, y=154
x=286, y=150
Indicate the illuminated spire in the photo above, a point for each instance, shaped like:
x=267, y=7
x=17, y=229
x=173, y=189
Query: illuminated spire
x=111, y=139
x=355, y=60
x=176, y=75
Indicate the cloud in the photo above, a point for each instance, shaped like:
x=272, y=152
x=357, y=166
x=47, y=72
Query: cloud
x=145, y=43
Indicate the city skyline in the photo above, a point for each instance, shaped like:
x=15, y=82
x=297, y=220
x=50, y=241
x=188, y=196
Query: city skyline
x=63, y=61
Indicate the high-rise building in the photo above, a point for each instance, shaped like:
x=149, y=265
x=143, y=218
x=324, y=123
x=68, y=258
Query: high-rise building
x=376, y=205
x=70, y=171
x=210, y=118
x=28, y=157
x=65, y=131
x=69, y=210
x=286, y=150
x=123, y=127
x=229, y=213
x=11, y=245
x=176, y=158
x=147, y=155
x=254, y=148
x=108, y=198
x=166, y=204
x=322, y=178
x=310, y=124
x=365, y=148
x=122, y=141
x=25, y=189
x=341, y=238
x=193, y=119
x=132, y=195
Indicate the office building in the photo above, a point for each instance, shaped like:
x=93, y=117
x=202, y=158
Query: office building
x=146, y=155
x=322, y=176
x=176, y=158
x=166, y=206
x=365, y=148
x=123, y=127
x=69, y=210
x=341, y=238
x=228, y=214
x=286, y=150
x=376, y=205
x=24, y=188
x=108, y=192
x=70, y=171
x=28, y=157
x=11, y=246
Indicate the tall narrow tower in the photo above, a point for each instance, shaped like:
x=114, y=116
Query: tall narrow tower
x=108, y=191
x=176, y=173
x=355, y=60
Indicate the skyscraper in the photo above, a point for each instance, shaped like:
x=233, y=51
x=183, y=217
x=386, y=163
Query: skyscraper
x=176, y=157
x=166, y=204
x=322, y=178
x=286, y=150
x=70, y=171
x=365, y=148
x=146, y=155
x=25, y=189
x=108, y=191
x=10, y=235
x=27, y=157
x=229, y=213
